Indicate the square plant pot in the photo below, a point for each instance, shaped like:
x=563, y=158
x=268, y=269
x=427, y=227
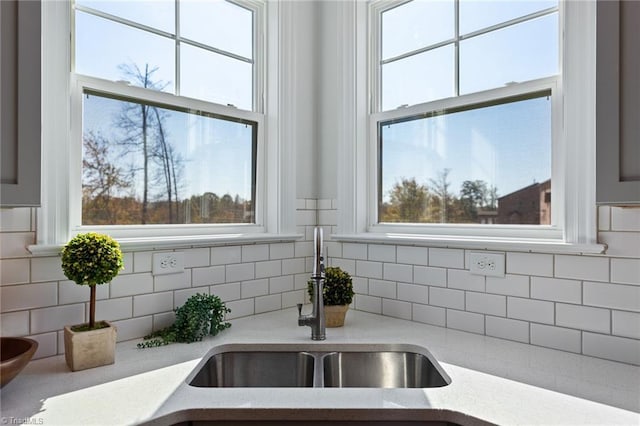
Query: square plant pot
x=89, y=349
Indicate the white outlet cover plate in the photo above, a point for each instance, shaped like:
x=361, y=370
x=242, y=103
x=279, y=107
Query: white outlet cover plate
x=486, y=263
x=168, y=263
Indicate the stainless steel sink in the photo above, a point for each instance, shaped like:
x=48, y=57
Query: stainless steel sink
x=319, y=365
x=256, y=369
x=380, y=370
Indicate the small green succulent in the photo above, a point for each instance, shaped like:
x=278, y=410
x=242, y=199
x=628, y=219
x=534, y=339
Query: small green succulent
x=337, y=289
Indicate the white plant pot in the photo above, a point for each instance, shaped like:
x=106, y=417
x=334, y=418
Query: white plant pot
x=89, y=349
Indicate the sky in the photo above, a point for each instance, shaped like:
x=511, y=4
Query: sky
x=508, y=147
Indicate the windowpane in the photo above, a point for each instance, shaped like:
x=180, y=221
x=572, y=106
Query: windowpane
x=113, y=51
x=220, y=24
x=215, y=78
x=517, y=53
x=159, y=14
x=198, y=168
x=481, y=164
x=475, y=15
x=417, y=79
x=416, y=25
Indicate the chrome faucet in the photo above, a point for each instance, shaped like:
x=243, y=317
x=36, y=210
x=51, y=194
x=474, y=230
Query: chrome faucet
x=316, y=319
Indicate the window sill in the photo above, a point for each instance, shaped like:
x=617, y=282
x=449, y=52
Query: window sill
x=170, y=243
x=473, y=243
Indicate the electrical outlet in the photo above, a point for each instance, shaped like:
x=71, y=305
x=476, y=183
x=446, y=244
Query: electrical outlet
x=168, y=263
x=491, y=264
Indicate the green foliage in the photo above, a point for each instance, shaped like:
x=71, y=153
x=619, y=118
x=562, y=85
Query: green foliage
x=338, y=287
x=91, y=258
x=201, y=315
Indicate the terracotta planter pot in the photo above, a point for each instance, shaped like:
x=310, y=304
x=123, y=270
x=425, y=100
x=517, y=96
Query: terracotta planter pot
x=89, y=349
x=334, y=315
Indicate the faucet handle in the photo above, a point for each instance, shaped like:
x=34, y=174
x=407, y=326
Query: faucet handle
x=299, y=309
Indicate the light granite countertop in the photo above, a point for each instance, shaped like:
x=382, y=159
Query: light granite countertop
x=492, y=380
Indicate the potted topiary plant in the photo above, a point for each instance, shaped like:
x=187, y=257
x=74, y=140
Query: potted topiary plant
x=91, y=259
x=337, y=295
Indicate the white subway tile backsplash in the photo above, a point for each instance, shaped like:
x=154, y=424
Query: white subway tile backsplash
x=413, y=293
x=240, y=308
x=530, y=264
x=429, y=314
x=559, y=290
x=428, y=275
x=334, y=249
x=280, y=284
x=15, y=220
x=293, y=266
x=240, y=272
x=142, y=261
x=281, y=251
x=131, y=284
x=465, y=321
x=47, y=345
x=254, y=288
x=354, y=251
x=625, y=271
x=397, y=272
x=163, y=320
x=226, y=255
x=555, y=337
x=604, y=218
x=396, y=309
x=413, y=255
x=27, y=296
x=621, y=243
x=56, y=317
x=583, y=318
x=208, y=276
x=14, y=271
x=300, y=281
x=172, y=281
x=486, y=303
x=509, y=285
x=382, y=288
x=327, y=217
x=347, y=265
x=112, y=309
x=626, y=324
x=382, y=253
x=530, y=310
x=254, y=253
x=15, y=244
x=360, y=285
x=292, y=298
x=446, y=298
x=306, y=217
x=196, y=257
x=446, y=258
x=303, y=248
x=127, y=263
x=582, y=267
x=324, y=203
x=368, y=269
x=310, y=204
x=14, y=324
x=134, y=328
x=623, y=297
x=273, y=302
x=271, y=268
x=226, y=292
x=368, y=303
x=506, y=328
x=46, y=269
x=611, y=347
x=146, y=304
x=625, y=219
x=465, y=280
x=181, y=296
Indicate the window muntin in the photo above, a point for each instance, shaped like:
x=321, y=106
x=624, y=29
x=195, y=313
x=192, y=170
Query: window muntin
x=488, y=163
x=109, y=36
x=448, y=123
x=145, y=163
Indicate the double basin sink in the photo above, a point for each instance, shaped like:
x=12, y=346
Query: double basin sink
x=319, y=365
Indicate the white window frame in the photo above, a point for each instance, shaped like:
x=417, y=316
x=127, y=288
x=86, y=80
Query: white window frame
x=59, y=216
x=573, y=171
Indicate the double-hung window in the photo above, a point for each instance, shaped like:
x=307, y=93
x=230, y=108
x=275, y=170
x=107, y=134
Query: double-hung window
x=466, y=118
x=166, y=118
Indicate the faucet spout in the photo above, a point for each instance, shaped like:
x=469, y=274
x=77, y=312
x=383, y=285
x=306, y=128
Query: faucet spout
x=316, y=320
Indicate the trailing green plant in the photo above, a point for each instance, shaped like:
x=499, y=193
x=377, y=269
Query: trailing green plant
x=337, y=289
x=92, y=259
x=200, y=316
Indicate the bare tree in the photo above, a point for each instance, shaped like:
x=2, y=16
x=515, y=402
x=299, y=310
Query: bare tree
x=440, y=187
